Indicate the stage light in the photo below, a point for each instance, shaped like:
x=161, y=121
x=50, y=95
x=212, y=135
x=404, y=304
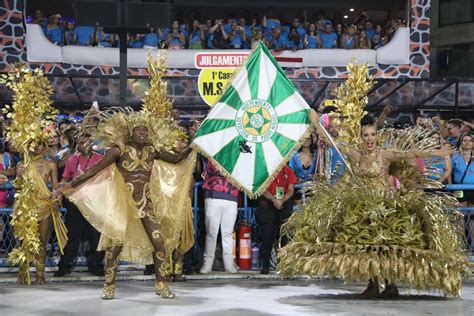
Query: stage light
x=346, y=16
x=351, y=9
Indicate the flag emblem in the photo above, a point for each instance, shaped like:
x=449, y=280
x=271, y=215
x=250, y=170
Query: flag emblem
x=256, y=121
x=255, y=127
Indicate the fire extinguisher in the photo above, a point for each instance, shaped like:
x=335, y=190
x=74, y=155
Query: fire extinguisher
x=245, y=246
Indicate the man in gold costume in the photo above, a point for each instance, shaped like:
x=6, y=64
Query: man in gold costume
x=135, y=163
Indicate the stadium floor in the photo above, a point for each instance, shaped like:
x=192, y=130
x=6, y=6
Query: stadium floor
x=216, y=295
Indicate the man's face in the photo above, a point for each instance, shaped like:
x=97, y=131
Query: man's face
x=453, y=130
x=296, y=22
x=328, y=28
x=334, y=130
x=195, y=24
x=368, y=25
x=140, y=135
x=84, y=146
x=276, y=32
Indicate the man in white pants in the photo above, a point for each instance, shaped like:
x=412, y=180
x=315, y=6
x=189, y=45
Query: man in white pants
x=220, y=202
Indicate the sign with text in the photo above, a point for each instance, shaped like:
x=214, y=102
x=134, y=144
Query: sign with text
x=216, y=71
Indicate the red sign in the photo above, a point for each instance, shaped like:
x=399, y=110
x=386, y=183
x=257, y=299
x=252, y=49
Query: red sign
x=220, y=60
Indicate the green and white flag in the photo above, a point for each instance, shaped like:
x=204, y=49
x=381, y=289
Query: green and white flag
x=256, y=125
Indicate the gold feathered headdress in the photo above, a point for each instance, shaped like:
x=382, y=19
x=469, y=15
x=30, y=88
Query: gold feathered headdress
x=114, y=126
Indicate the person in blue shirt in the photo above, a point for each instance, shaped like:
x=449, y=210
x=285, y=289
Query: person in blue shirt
x=136, y=41
x=294, y=42
x=269, y=22
x=336, y=163
x=255, y=24
x=196, y=37
x=348, y=39
x=328, y=37
x=102, y=39
x=441, y=165
x=454, y=129
x=248, y=31
x=312, y=39
x=277, y=41
x=237, y=37
x=84, y=35
x=299, y=28
x=152, y=39
x=463, y=167
x=70, y=35
x=176, y=39
x=53, y=32
x=228, y=25
x=369, y=28
x=303, y=162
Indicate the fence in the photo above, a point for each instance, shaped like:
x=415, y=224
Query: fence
x=246, y=213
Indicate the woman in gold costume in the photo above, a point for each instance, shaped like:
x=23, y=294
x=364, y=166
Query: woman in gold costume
x=40, y=172
x=362, y=230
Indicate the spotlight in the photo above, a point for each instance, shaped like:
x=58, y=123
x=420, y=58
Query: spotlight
x=351, y=9
x=346, y=16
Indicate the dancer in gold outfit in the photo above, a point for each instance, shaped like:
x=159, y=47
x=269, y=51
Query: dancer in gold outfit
x=135, y=163
x=40, y=172
x=364, y=228
x=30, y=126
x=137, y=196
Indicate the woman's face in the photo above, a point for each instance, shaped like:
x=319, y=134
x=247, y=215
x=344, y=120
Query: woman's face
x=466, y=143
x=436, y=138
x=38, y=150
x=312, y=27
x=307, y=142
x=369, y=138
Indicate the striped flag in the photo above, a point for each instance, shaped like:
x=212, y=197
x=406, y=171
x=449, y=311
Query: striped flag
x=256, y=125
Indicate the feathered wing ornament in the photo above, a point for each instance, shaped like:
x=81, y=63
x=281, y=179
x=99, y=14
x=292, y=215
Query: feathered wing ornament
x=351, y=99
x=31, y=116
x=113, y=127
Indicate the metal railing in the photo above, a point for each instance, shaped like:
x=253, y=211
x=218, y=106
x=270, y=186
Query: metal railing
x=246, y=213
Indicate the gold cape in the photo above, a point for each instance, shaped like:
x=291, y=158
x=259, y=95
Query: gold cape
x=106, y=202
x=45, y=208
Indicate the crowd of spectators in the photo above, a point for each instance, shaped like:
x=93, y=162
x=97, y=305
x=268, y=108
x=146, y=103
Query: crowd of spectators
x=317, y=31
x=304, y=167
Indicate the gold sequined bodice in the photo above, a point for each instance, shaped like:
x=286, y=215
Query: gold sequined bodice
x=136, y=166
x=372, y=166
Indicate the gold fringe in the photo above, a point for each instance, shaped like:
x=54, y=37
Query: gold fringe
x=267, y=182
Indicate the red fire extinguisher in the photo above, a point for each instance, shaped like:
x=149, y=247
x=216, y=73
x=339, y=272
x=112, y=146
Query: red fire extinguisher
x=245, y=246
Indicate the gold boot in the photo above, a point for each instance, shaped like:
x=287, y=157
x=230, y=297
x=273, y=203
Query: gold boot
x=167, y=271
x=23, y=275
x=162, y=289
x=108, y=293
x=40, y=274
x=178, y=273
